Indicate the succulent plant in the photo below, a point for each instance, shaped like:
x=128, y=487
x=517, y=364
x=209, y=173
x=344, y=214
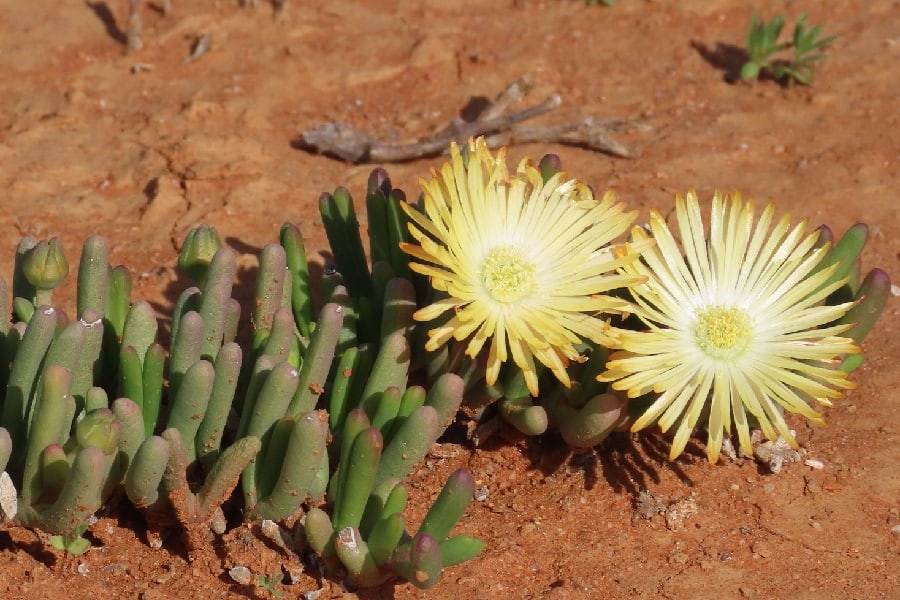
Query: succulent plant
x=366, y=529
x=870, y=293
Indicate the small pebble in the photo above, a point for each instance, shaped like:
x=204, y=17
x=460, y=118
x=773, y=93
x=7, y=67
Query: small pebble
x=481, y=494
x=814, y=464
x=241, y=575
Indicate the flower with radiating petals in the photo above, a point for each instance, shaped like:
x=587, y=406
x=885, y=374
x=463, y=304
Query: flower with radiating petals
x=524, y=263
x=736, y=324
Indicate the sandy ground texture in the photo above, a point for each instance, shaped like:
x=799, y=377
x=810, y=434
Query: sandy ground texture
x=141, y=148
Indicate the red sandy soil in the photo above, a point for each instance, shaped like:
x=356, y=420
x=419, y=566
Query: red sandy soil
x=91, y=144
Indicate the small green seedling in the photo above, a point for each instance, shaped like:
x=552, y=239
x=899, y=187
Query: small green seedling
x=271, y=583
x=73, y=543
x=763, y=45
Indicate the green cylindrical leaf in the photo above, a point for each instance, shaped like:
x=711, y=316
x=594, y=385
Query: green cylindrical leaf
x=391, y=369
x=269, y=406
x=419, y=561
x=446, y=396
x=273, y=399
x=223, y=477
x=88, y=363
x=79, y=499
x=409, y=445
x=50, y=424
x=872, y=297
x=449, y=506
x=301, y=297
x=215, y=301
x=185, y=503
x=318, y=359
x=132, y=435
x=354, y=553
x=23, y=309
x=358, y=482
x=282, y=336
x=67, y=346
x=549, y=166
x=269, y=291
x=523, y=415
x=131, y=376
x=118, y=301
x=186, y=350
x=270, y=459
x=142, y=481
x=387, y=405
x=412, y=398
x=245, y=403
x=188, y=301
x=590, y=425
x=227, y=369
x=140, y=328
x=385, y=536
x=355, y=423
x=187, y=408
x=342, y=230
x=339, y=400
x=399, y=306
x=93, y=273
x=319, y=532
x=96, y=397
x=388, y=498
x=459, y=549
x=53, y=472
x=844, y=253
x=379, y=187
x=154, y=365
x=232, y=321
x=23, y=377
x=300, y=464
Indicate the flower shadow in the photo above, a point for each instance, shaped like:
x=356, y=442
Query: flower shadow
x=627, y=462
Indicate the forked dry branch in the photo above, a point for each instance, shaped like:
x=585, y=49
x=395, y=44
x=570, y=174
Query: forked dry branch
x=499, y=127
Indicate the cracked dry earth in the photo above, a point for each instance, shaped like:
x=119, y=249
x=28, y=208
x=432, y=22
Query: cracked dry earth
x=144, y=147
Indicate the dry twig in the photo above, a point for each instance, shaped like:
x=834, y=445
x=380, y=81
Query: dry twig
x=499, y=128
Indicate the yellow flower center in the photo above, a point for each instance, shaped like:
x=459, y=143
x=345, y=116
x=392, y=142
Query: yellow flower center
x=723, y=332
x=507, y=275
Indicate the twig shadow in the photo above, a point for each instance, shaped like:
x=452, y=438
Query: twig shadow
x=727, y=58
x=102, y=12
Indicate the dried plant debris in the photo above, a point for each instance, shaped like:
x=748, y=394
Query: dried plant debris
x=494, y=122
x=648, y=505
x=776, y=453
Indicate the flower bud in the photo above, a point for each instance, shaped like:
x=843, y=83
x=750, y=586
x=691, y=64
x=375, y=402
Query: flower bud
x=200, y=245
x=99, y=428
x=45, y=266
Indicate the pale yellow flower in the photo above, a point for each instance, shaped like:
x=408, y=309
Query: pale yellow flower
x=736, y=325
x=523, y=263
